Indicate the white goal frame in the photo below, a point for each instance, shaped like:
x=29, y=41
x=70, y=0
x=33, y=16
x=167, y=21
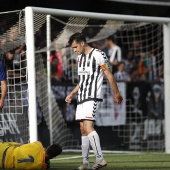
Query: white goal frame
x=31, y=58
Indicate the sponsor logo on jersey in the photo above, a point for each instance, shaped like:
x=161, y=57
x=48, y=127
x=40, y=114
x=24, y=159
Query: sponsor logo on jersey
x=84, y=72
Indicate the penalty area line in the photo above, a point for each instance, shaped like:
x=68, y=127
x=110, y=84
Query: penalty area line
x=71, y=157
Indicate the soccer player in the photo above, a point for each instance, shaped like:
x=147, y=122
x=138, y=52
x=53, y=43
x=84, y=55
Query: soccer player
x=3, y=84
x=114, y=53
x=92, y=64
x=27, y=156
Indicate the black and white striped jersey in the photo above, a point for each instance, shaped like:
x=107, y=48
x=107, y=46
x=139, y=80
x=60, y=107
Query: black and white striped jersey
x=90, y=71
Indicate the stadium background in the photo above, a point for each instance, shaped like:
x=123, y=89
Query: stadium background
x=105, y=6
x=93, y=6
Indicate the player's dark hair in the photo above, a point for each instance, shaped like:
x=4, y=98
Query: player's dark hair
x=121, y=62
x=78, y=37
x=54, y=150
x=111, y=38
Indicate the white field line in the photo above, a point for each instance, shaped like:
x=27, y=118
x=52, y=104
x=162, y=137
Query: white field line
x=115, y=152
x=67, y=158
x=104, y=151
x=129, y=152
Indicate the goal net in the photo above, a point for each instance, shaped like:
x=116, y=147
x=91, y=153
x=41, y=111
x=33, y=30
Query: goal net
x=136, y=124
x=14, y=115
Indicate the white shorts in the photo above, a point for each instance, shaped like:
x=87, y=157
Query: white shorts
x=87, y=110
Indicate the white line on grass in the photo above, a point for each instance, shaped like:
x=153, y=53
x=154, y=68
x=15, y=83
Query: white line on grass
x=72, y=157
x=104, y=151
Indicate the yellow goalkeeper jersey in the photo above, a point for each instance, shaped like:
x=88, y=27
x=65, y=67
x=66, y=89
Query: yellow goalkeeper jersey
x=27, y=156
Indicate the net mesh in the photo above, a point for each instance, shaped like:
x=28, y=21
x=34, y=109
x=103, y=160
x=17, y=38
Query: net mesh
x=14, y=115
x=138, y=129
x=134, y=121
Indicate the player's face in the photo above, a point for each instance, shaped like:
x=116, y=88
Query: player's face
x=121, y=67
x=78, y=48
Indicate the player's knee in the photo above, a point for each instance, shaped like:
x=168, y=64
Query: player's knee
x=87, y=128
x=83, y=132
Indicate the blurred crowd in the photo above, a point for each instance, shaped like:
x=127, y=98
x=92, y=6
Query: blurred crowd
x=126, y=65
x=13, y=55
x=129, y=62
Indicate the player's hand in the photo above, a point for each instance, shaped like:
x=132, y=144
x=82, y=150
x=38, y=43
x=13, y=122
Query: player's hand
x=69, y=98
x=118, y=98
x=1, y=104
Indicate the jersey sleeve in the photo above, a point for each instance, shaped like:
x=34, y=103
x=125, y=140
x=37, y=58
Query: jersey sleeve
x=103, y=61
x=2, y=72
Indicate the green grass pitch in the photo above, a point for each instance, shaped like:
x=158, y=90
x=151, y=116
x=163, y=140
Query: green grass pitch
x=158, y=161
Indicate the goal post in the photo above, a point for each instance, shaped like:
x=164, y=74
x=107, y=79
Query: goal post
x=29, y=23
x=167, y=84
x=49, y=76
x=29, y=11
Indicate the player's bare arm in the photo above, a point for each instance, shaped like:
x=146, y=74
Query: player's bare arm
x=109, y=75
x=4, y=91
x=70, y=96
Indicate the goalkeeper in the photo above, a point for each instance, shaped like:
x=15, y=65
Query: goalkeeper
x=27, y=156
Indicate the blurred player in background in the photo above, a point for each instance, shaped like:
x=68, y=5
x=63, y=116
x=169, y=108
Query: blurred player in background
x=3, y=84
x=27, y=156
x=114, y=53
x=92, y=64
